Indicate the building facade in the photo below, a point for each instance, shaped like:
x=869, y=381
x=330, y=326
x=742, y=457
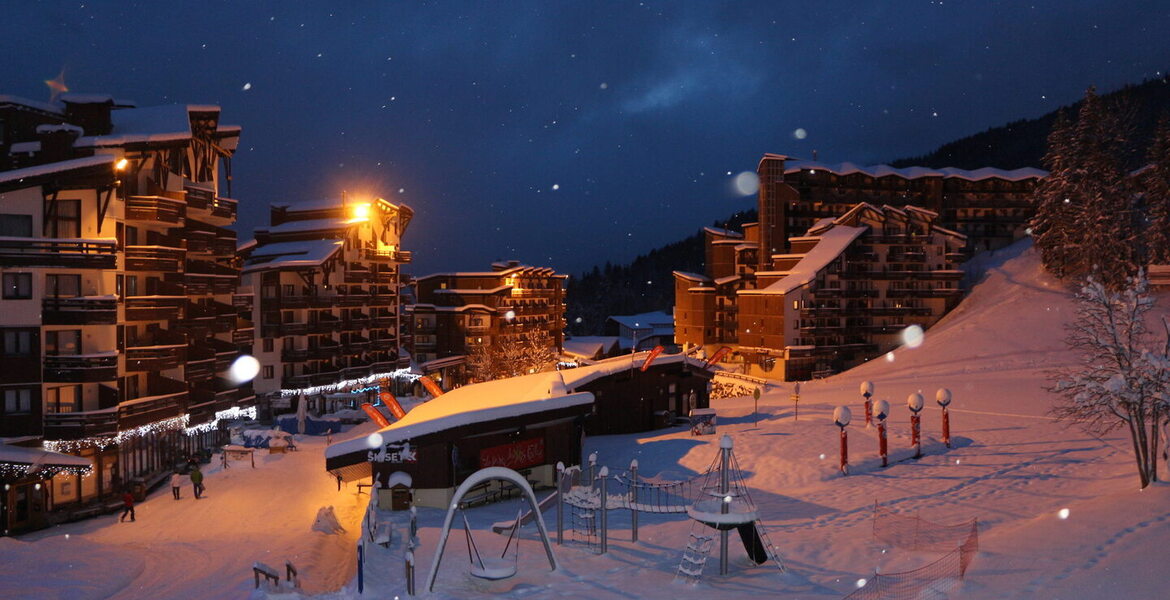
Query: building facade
x=843, y=294
x=118, y=314
x=325, y=279
x=457, y=312
x=990, y=206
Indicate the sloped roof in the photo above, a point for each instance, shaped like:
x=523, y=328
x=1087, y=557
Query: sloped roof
x=830, y=245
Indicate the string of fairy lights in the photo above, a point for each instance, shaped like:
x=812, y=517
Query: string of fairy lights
x=166, y=425
x=18, y=470
x=360, y=384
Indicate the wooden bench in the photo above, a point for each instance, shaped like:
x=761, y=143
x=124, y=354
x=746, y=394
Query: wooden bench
x=480, y=494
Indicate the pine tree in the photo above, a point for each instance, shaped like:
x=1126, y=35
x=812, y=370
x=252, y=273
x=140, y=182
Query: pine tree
x=1156, y=186
x=1085, y=220
x=1052, y=222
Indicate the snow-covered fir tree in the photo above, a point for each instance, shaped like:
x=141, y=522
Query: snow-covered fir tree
x=1123, y=375
x=1085, y=217
x=1155, y=184
x=511, y=359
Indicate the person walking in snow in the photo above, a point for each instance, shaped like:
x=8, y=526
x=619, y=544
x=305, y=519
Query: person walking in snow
x=197, y=482
x=176, y=482
x=128, y=504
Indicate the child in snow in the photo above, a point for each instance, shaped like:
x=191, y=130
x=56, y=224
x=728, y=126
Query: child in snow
x=197, y=482
x=128, y=503
x=176, y=481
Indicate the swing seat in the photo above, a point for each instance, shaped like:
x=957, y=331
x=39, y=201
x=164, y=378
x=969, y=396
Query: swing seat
x=494, y=568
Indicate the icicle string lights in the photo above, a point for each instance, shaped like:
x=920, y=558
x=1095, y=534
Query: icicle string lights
x=397, y=375
x=230, y=414
x=163, y=426
x=18, y=470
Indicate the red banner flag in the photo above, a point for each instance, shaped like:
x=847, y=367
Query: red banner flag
x=431, y=386
x=376, y=416
x=715, y=357
x=395, y=408
x=650, y=359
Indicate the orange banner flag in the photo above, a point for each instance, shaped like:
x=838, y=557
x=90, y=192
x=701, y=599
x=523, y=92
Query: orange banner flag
x=376, y=416
x=650, y=359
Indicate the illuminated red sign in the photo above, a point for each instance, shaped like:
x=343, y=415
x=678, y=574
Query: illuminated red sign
x=517, y=455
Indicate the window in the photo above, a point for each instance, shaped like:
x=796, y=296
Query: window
x=18, y=342
x=17, y=401
x=288, y=371
x=17, y=286
x=66, y=221
x=288, y=343
x=63, y=399
x=268, y=344
x=288, y=289
x=63, y=342
x=16, y=225
x=63, y=286
x=268, y=371
x=131, y=285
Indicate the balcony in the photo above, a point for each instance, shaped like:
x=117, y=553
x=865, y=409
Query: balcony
x=79, y=425
x=243, y=333
x=355, y=371
x=382, y=322
x=154, y=258
x=282, y=329
x=327, y=351
x=294, y=355
x=81, y=368
x=150, y=409
x=200, y=363
x=156, y=208
x=358, y=321
x=154, y=308
x=55, y=252
x=80, y=310
x=355, y=345
x=159, y=350
x=387, y=343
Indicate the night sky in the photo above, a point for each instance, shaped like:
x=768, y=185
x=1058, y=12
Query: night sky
x=570, y=133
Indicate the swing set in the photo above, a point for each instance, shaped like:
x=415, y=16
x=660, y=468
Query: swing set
x=491, y=567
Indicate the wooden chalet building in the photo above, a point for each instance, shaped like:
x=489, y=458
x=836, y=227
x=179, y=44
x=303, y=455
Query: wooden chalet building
x=525, y=423
x=456, y=312
x=841, y=296
x=326, y=281
x=118, y=313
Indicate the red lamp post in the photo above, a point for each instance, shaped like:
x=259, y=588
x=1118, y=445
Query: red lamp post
x=867, y=391
x=841, y=417
x=881, y=409
x=914, y=403
x=943, y=397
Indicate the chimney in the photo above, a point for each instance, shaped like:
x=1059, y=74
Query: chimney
x=91, y=112
x=57, y=141
x=814, y=155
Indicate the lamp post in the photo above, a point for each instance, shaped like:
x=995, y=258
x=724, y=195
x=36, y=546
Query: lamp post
x=867, y=391
x=914, y=403
x=943, y=397
x=881, y=409
x=841, y=417
x=796, y=401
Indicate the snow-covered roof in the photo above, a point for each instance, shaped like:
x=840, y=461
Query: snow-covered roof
x=45, y=106
x=588, y=346
x=315, y=204
x=494, y=290
x=53, y=127
x=309, y=253
x=848, y=168
x=724, y=232
x=56, y=167
x=152, y=124
x=79, y=98
x=471, y=404
x=650, y=320
x=830, y=245
x=575, y=378
x=30, y=456
x=691, y=276
x=727, y=280
x=309, y=225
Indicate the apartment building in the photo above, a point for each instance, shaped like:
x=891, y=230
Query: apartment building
x=455, y=313
x=326, y=281
x=118, y=312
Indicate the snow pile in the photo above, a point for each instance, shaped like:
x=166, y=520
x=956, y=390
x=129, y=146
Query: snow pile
x=326, y=521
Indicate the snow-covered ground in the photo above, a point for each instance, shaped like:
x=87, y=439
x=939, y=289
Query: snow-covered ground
x=1013, y=468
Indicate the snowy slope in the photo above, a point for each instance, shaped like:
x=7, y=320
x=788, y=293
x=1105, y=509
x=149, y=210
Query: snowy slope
x=1013, y=468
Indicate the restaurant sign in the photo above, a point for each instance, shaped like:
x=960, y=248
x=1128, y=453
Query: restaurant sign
x=517, y=455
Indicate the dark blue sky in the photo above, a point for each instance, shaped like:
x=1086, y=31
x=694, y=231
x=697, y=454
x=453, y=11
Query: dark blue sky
x=636, y=111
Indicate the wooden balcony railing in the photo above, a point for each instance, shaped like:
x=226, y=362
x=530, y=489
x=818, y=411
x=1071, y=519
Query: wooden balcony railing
x=156, y=208
x=78, y=425
x=79, y=310
x=155, y=258
x=80, y=368
x=58, y=252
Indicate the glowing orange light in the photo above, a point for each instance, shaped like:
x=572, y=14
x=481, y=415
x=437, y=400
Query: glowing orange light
x=361, y=211
x=121, y=164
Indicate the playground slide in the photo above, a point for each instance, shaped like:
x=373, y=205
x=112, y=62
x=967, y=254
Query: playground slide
x=753, y=543
x=526, y=518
